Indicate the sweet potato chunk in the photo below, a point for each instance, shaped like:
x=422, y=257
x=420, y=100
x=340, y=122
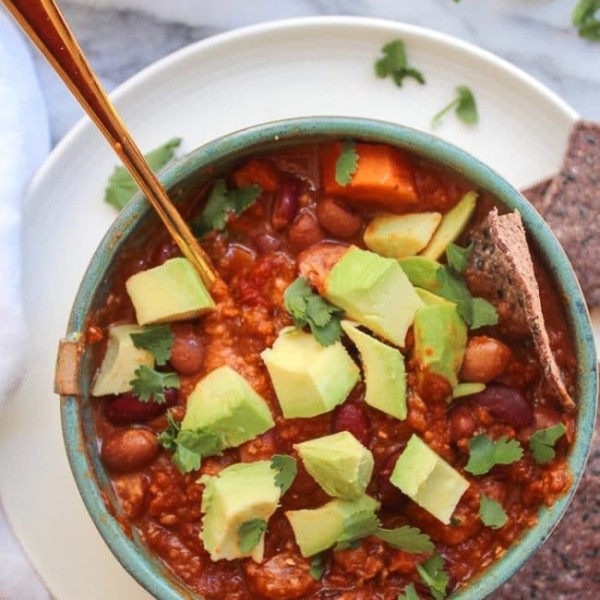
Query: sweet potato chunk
x=383, y=177
x=257, y=172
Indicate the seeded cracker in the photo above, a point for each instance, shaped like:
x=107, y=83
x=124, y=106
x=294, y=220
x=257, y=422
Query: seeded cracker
x=535, y=194
x=501, y=254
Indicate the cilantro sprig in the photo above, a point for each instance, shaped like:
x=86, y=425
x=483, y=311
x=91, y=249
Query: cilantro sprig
x=286, y=470
x=409, y=593
x=250, y=533
x=464, y=106
x=317, y=568
x=541, y=443
x=485, y=453
x=394, y=64
x=150, y=384
x=586, y=19
x=121, y=186
x=308, y=308
x=434, y=577
x=221, y=204
x=346, y=164
x=157, y=339
x=491, y=513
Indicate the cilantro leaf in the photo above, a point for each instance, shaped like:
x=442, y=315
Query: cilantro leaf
x=585, y=19
x=222, y=203
x=491, y=513
x=394, y=64
x=121, y=186
x=250, y=533
x=407, y=538
x=346, y=164
x=409, y=591
x=433, y=575
x=157, y=339
x=485, y=453
x=317, y=568
x=483, y=313
x=286, y=469
x=193, y=446
x=458, y=257
x=308, y=308
x=167, y=438
x=464, y=106
x=150, y=384
x=356, y=527
x=541, y=443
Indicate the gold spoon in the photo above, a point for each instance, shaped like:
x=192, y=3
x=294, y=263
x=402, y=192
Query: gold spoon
x=45, y=25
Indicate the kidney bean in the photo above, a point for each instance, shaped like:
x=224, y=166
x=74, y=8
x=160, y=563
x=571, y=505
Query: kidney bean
x=286, y=203
x=129, y=450
x=267, y=243
x=462, y=422
x=337, y=218
x=352, y=418
x=188, y=349
x=127, y=408
x=485, y=359
x=305, y=231
x=506, y=404
x=388, y=493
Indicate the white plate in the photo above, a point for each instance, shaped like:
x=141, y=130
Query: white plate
x=271, y=71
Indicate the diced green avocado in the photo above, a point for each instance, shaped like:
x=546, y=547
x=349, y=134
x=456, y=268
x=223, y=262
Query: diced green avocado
x=440, y=340
x=421, y=272
x=467, y=389
x=452, y=225
x=374, y=291
x=172, y=291
x=429, y=298
x=309, y=379
x=238, y=494
x=385, y=374
x=120, y=361
x=401, y=235
x=339, y=463
x=317, y=529
x=225, y=404
x=428, y=479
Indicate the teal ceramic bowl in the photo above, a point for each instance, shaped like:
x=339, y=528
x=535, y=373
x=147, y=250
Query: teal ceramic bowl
x=133, y=228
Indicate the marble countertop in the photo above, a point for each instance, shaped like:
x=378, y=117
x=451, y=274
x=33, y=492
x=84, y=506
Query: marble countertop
x=535, y=35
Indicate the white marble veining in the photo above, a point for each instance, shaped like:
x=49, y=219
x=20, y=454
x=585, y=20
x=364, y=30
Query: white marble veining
x=123, y=36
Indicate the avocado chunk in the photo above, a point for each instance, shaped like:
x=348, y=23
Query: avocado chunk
x=339, y=463
x=375, y=292
x=429, y=298
x=317, y=529
x=452, y=225
x=225, y=404
x=385, y=373
x=467, y=389
x=421, y=271
x=172, y=291
x=309, y=379
x=397, y=236
x=440, y=340
x=239, y=494
x=428, y=479
x=121, y=361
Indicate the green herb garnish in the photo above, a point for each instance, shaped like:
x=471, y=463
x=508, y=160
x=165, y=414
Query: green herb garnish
x=433, y=575
x=409, y=593
x=484, y=453
x=586, y=20
x=407, y=538
x=149, y=384
x=541, y=443
x=308, y=308
x=464, y=106
x=157, y=339
x=167, y=438
x=317, y=568
x=193, y=446
x=286, y=471
x=346, y=164
x=121, y=187
x=250, y=533
x=394, y=64
x=357, y=526
x=491, y=513
x=458, y=257
x=221, y=204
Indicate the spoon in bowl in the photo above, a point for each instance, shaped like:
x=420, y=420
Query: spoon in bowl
x=45, y=25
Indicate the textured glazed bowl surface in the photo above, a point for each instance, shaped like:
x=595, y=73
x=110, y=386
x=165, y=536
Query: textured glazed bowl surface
x=134, y=225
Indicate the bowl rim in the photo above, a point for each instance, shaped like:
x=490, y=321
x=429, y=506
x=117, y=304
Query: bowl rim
x=155, y=577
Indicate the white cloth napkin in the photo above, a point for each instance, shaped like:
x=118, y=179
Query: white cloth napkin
x=24, y=143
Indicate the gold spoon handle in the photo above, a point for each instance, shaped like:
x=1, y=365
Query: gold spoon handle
x=43, y=22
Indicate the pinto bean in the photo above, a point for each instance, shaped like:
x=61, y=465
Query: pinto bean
x=462, y=422
x=286, y=203
x=485, y=359
x=305, y=231
x=129, y=450
x=505, y=404
x=188, y=349
x=337, y=218
x=353, y=418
